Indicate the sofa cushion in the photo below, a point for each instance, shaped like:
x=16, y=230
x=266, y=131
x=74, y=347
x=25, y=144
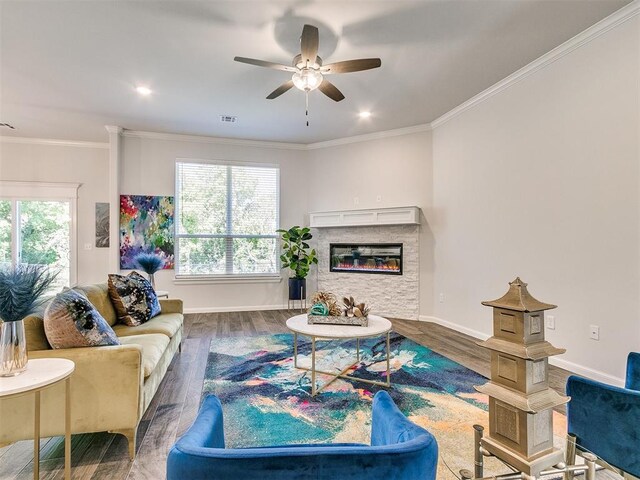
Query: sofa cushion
x=34, y=332
x=98, y=295
x=167, y=324
x=71, y=321
x=133, y=298
x=153, y=346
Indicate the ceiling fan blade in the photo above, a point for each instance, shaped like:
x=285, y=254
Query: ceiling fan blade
x=263, y=63
x=330, y=90
x=280, y=90
x=351, y=66
x=309, y=41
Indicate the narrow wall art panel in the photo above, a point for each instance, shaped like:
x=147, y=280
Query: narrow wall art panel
x=102, y=225
x=146, y=226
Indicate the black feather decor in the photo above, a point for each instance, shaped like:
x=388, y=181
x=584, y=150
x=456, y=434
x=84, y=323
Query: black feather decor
x=149, y=262
x=21, y=290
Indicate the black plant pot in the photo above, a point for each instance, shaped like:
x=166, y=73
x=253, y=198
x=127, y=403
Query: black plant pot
x=297, y=288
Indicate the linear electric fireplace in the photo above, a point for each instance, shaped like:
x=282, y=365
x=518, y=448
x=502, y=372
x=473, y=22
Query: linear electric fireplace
x=385, y=258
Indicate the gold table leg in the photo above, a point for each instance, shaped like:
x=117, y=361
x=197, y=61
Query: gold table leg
x=313, y=366
x=295, y=349
x=342, y=374
x=36, y=437
x=67, y=430
x=388, y=359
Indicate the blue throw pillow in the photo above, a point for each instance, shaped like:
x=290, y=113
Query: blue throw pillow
x=70, y=321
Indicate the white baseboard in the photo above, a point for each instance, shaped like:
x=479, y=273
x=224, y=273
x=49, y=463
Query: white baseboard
x=558, y=362
x=253, y=308
x=586, y=372
x=454, y=326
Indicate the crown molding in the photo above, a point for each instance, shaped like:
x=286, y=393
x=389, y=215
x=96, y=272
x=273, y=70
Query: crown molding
x=370, y=136
x=51, y=141
x=113, y=129
x=277, y=145
x=617, y=18
x=177, y=137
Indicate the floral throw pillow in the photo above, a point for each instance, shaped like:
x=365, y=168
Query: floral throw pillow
x=71, y=321
x=133, y=298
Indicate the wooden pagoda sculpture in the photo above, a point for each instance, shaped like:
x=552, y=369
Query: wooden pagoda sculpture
x=520, y=400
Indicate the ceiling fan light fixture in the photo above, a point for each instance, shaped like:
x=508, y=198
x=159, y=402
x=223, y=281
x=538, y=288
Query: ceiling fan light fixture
x=307, y=79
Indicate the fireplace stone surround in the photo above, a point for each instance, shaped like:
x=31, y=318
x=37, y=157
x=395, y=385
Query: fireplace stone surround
x=395, y=296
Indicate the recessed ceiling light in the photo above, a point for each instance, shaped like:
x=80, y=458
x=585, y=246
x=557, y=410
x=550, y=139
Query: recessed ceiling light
x=365, y=114
x=144, y=91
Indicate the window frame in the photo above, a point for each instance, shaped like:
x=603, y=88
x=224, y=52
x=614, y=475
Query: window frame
x=228, y=276
x=15, y=191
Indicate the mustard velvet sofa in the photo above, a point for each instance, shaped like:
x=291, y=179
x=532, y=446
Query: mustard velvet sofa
x=111, y=387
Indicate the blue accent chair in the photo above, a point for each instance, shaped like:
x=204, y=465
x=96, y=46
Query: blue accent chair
x=606, y=420
x=399, y=450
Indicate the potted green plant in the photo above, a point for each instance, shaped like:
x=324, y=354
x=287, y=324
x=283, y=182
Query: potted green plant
x=298, y=256
x=21, y=293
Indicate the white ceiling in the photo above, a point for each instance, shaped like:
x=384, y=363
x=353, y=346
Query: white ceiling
x=67, y=68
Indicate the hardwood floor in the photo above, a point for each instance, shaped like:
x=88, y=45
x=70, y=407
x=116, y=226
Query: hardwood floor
x=104, y=455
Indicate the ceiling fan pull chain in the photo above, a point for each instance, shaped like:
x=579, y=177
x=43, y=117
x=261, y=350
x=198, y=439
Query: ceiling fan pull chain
x=306, y=104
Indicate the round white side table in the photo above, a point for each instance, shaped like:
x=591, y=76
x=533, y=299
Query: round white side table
x=378, y=326
x=40, y=374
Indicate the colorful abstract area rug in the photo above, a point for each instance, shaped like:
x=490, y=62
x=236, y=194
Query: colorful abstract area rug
x=267, y=401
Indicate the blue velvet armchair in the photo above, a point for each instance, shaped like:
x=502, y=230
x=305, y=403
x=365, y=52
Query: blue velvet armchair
x=399, y=450
x=606, y=420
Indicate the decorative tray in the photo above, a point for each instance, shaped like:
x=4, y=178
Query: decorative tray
x=338, y=320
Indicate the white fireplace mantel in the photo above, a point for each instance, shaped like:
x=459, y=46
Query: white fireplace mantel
x=363, y=218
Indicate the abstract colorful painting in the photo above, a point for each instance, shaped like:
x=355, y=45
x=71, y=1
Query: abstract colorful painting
x=267, y=401
x=146, y=226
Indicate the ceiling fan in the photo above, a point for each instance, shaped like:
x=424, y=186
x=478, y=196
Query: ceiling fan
x=308, y=70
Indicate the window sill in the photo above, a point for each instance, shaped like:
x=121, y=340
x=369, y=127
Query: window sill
x=214, y=279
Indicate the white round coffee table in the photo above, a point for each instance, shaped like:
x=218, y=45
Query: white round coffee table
x=377, y=326
x=40, y=374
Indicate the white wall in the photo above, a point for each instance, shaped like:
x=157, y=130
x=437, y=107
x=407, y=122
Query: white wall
x=542, y=181
x=148, y=168
x=55, y=163
x=397, y=169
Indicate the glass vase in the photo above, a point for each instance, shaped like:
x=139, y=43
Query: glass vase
x=152, y=281
x=13, y=349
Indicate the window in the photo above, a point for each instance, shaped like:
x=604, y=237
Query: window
x=226, y=219
x=37, y=226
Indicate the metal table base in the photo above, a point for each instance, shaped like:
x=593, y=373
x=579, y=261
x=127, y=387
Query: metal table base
x=343, y=373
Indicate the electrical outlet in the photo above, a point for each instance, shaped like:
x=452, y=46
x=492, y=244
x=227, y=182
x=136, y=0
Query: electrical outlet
x=594, y=332
x=550, y=322
x=88, y=246
x=441, y=298
x=356, y=201
x=379, y=198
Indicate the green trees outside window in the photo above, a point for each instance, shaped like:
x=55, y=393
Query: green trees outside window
x=42, y=235
x=226, y=218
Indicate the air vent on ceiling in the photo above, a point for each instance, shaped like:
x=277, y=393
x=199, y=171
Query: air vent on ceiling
x=228, y=119
x=7, y=125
